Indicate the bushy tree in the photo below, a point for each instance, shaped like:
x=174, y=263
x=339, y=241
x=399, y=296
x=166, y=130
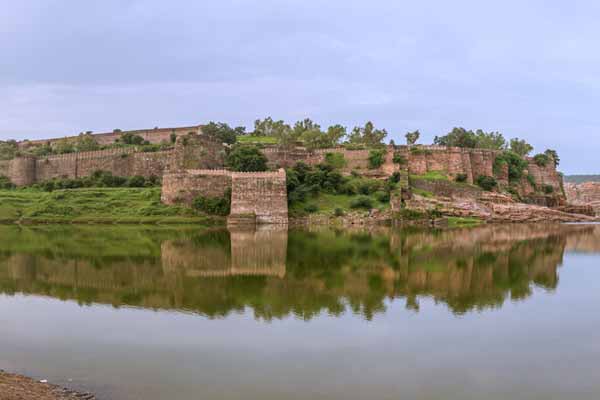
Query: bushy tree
x=223, y=132
x=460, y=137
x=246, y=159
x=268, y=127
x=490, y=140
x=412, y=137
x=335, y=134
x=553, y=155
x=367, y=135
x=130, y=138
x=521, y=147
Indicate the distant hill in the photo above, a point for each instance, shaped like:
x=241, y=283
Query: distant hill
x=582, y=178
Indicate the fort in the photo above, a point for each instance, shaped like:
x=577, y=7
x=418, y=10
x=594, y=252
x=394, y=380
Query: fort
x=195, y=165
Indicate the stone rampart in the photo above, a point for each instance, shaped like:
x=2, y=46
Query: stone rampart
x=263, y=194
x=259, y=195
x=183, y=187
x=155, y=135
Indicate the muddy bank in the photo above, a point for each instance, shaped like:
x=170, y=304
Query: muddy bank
x=18, y=387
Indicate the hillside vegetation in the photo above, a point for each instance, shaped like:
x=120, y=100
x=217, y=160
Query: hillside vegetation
x=93, y=205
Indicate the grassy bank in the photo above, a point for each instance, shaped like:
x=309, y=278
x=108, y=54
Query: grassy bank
x=94, y=205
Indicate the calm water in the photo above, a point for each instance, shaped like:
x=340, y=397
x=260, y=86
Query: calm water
x=182, y=313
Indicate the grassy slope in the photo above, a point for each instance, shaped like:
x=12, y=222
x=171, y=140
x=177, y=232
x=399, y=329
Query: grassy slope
x=94, y=205
x=257, y=139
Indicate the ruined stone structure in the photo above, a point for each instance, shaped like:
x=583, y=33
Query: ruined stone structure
x=256, y=197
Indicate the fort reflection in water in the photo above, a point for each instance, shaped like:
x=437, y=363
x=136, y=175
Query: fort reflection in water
x=276, y=273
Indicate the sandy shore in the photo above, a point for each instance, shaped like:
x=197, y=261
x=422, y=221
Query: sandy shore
x=17, y=387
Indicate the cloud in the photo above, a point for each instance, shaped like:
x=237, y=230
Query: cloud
x=527, y=69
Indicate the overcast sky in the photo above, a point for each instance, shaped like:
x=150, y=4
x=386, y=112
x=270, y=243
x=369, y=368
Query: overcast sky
x=529, y=69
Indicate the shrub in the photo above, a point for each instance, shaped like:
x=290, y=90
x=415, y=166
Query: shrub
x=130, y=138
x=246, y=159
x=531, y=181
x=548, y=189
x=486, y=182
x=335, y=160
x=399, y=159
x=136, y=181
x=516, y=165
x=311, y=208
x=6, y=183
x=395, y=178
x=213, y=205
x=383, y=197
x=461, y=178
x=368, y=187
x=338, y=212
x=541, y=159
x=362, y=202
x=376, y=158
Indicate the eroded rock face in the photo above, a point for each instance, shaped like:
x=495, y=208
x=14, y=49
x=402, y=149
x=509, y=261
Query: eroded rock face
x=494, y=207
x=584, y=194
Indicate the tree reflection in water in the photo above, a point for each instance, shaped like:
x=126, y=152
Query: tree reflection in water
x=276, y=273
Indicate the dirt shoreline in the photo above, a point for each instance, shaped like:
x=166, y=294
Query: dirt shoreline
x=19, y=387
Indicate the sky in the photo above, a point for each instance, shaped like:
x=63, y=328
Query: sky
x=528, y=69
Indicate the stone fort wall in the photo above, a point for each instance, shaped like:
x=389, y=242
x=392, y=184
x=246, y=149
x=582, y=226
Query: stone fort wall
x=258, y=196
x=191, y=151
x=156, y=135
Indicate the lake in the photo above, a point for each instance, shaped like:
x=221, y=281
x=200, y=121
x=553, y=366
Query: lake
x=492, y=312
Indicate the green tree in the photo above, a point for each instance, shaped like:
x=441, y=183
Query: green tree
x=458, y=137
x=335, y=134
x=367, y=135
x=412, y=137
x=130, y=138
x=491, y=140
x=521, y=147
x=246, y=159
x=553, y=155
x=223, y=132
x=268, y=127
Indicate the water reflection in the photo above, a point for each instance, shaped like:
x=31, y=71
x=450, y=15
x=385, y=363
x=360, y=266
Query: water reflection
x=277, y=273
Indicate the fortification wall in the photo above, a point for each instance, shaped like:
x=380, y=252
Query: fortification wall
x=545, y=175
x=184, y=186
x=22, y=171
x=263, y=194
x=156, y=135
x=199, y=152
x=284, y=158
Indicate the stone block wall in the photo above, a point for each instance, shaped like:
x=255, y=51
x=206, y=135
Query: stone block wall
x=263, y=194
x=183, y=187
x=156, y=136
x=196, y=152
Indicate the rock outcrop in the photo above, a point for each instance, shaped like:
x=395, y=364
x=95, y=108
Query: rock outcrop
x=584, y=194
x=494, y=207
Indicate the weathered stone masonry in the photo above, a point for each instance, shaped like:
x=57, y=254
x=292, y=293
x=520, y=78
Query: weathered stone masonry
x=259, y=197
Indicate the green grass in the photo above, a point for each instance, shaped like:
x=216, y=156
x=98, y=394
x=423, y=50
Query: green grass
x=432, y=176
x=257, y=139
x=327, y=203
x=463, y=222
x=422, y=192
x=93, y=205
